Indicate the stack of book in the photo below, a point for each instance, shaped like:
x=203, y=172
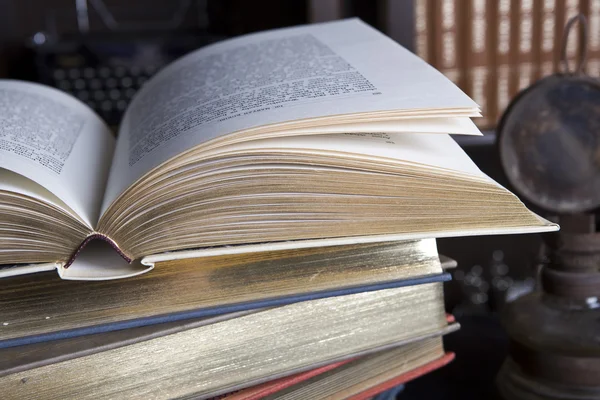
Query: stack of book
x=271, y=206
x=494, y=49
x=335, y=321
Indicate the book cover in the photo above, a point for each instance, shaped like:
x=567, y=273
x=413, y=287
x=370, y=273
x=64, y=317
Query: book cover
x=333, y=329
x=390, y=394
x=46, y=328
x=272, y=387
x=406, y=377
x=28, y=356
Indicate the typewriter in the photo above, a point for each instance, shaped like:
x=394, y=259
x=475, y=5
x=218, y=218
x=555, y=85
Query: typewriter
x=106, y=70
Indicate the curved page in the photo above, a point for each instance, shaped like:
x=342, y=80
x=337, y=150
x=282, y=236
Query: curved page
x=56, y=141
x=308, y=72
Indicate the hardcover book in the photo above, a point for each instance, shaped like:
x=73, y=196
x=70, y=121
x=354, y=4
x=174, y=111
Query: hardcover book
x=310, y=136
x=370, y=374
x=360, y=378
x=231, y=354
x=42, y=307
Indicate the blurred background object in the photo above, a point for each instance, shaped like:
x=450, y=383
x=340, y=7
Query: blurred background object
x=548, y=142
x=102, y=52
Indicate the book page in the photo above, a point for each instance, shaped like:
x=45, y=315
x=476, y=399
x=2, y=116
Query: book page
x=57, y=142
x=13, y=182
x=430, y=150
x=459, y=126
x=321, y=70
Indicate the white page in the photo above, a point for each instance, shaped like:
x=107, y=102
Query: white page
x=452, y=125
x=56, y=141
x=428, y=149
x=320, y=70
x=13, y=182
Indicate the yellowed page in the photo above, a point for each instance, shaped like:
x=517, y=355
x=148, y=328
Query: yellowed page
x=451, y=125
x=425, y=149
x=13, y=182
x=322, y=70
x=56, y=141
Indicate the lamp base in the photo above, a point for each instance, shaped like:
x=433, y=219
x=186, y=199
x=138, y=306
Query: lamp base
x=513, y=384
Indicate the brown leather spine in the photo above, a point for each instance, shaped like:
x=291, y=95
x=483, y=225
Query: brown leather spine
x=96, y=236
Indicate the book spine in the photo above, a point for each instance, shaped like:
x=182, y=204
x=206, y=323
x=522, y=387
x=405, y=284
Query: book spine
x=492, y=42
x=96, y=236
x=268, y=388
x=402, y=379
x=593, y=63
x=503, y=48
x=548, y=43
x=523, y=67
x=446, y=48
x=479, y=60
x=536, y=39
x=423, y=30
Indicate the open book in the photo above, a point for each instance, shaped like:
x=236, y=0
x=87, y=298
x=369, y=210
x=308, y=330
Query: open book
x=309, y=136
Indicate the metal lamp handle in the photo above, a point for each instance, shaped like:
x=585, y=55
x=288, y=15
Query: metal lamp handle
x=564, y=62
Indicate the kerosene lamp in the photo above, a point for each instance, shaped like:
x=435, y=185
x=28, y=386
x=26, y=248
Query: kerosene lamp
x=549, y=146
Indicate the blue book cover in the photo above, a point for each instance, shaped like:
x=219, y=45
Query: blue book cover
x=390, y=394
x=214, y=311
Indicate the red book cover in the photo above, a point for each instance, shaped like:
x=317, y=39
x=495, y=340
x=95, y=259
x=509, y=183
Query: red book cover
x=274, y=386
x=268, y=388
x=400, y=379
